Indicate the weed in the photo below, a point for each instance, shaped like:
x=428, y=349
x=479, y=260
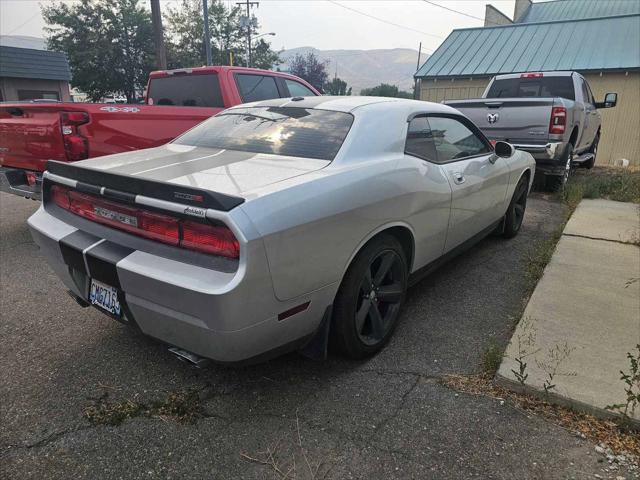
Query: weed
x=541, y=256
x=492, y=357
x=632, y=387
x=526, y=343
x=622, y=185
x=112, y=414
x=181, y=406
x=551, y=365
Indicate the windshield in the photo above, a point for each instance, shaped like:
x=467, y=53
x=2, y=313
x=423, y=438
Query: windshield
x=291, y=131
x=539, y=87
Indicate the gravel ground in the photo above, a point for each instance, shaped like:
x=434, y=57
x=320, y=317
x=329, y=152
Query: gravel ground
x=388, y=417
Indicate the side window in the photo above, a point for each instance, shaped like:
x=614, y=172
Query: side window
x=256, y=87
x=591, y=99
x=585, y=91
x=453, y=140
x=296, y=89
x=420, y=140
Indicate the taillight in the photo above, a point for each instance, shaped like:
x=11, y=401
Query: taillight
x=205, y=238
x=532, y=75
x=31, y=178
x=76, y=145
x=209, y=239
x=558, y=120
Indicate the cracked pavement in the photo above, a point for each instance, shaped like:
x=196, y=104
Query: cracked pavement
x=387, y=417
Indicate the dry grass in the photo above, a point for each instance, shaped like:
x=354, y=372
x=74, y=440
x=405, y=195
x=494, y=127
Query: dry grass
x=611, y=183
x=620, y=439
x=280, y=457
x=180, y=406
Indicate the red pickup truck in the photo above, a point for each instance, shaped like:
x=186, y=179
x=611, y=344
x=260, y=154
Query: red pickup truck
x=33, y=132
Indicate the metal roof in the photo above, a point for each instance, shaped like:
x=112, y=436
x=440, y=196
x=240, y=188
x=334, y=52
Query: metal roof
x=578, y=9
x=587, y=44
x=30, y=63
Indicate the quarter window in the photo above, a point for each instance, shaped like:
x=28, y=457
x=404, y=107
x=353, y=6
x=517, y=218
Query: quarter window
x=420, y=140
x=257, y=87
x=442, y=139
x=296, y=89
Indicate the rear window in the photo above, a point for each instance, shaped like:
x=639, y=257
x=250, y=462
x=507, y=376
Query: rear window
x=291, y=131
x=532, y=88
x=256, y=87
x=186, y=91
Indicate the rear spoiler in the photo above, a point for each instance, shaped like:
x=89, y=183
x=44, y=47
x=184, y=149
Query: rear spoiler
x=125, y=188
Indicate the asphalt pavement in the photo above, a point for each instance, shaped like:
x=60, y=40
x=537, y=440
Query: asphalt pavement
x=387, y=417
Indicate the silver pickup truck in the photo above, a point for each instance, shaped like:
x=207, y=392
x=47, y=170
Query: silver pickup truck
x=551, y=115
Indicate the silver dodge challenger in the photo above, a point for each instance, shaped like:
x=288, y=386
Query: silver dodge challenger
x=287, y=224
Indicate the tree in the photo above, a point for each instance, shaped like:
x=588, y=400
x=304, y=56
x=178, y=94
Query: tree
x=310, y=68
x=185, y=33
x=263, y=56
x=109, y=44
x=337, y=87
x=385, y=90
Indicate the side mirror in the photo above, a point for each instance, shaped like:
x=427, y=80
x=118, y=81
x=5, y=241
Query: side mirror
x=504, y=149
x=610, y=101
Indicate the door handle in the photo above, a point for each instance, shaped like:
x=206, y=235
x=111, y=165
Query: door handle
x=458, y=178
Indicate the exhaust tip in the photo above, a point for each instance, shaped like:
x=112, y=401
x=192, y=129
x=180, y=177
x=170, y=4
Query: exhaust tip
x=189, y=357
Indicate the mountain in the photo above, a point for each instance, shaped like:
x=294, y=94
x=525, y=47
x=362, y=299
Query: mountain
x=366, y=68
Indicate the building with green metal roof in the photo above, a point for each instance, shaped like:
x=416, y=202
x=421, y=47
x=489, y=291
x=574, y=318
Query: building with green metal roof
x=598, y=38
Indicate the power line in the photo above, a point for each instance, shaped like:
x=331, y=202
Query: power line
x=23, y=23
x=457, y=11
x=384, y=21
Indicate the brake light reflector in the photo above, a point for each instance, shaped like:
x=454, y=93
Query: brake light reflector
x=558, y=120
x=76, y=145
x=205, y=238
x=532, y=75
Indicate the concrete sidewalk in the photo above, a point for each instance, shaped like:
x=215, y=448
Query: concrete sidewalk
x=586, y=305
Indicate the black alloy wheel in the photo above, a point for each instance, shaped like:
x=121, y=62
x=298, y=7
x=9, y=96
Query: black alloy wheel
x=369, y=300
x=380, y=295
x=515, y=213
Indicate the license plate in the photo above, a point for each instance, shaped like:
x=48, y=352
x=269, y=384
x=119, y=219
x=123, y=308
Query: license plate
x=104, y=296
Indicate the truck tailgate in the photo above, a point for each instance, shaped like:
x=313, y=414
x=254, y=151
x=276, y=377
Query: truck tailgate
x=514, y=120
x=30, y=136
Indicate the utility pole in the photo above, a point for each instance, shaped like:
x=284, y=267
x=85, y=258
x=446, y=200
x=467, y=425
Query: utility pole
x=415, y=80
x=207, y=39
x=156, y=20
x=248, y=4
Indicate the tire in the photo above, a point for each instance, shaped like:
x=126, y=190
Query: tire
x=555, y=183
x=594, y=150
x=364, y=317
x=515, y=213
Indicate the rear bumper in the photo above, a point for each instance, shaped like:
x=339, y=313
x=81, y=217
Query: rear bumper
x=547, y=156
x=227, y=317
x=14, y=181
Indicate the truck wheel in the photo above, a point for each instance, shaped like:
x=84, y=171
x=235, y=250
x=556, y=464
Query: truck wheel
x=594, y=150
x=555, y=183
x=367, y=306
x=515, y=212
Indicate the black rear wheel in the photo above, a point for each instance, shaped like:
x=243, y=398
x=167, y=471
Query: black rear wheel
x=368, y=303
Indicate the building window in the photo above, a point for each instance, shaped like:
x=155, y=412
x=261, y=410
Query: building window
x=37, y=94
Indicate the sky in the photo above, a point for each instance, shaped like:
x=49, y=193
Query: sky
x=324, y=24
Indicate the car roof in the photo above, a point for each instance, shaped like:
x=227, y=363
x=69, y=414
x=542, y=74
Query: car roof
x=348, y=103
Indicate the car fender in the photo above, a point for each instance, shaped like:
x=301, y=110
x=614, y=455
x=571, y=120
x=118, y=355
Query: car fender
x=373, y=233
